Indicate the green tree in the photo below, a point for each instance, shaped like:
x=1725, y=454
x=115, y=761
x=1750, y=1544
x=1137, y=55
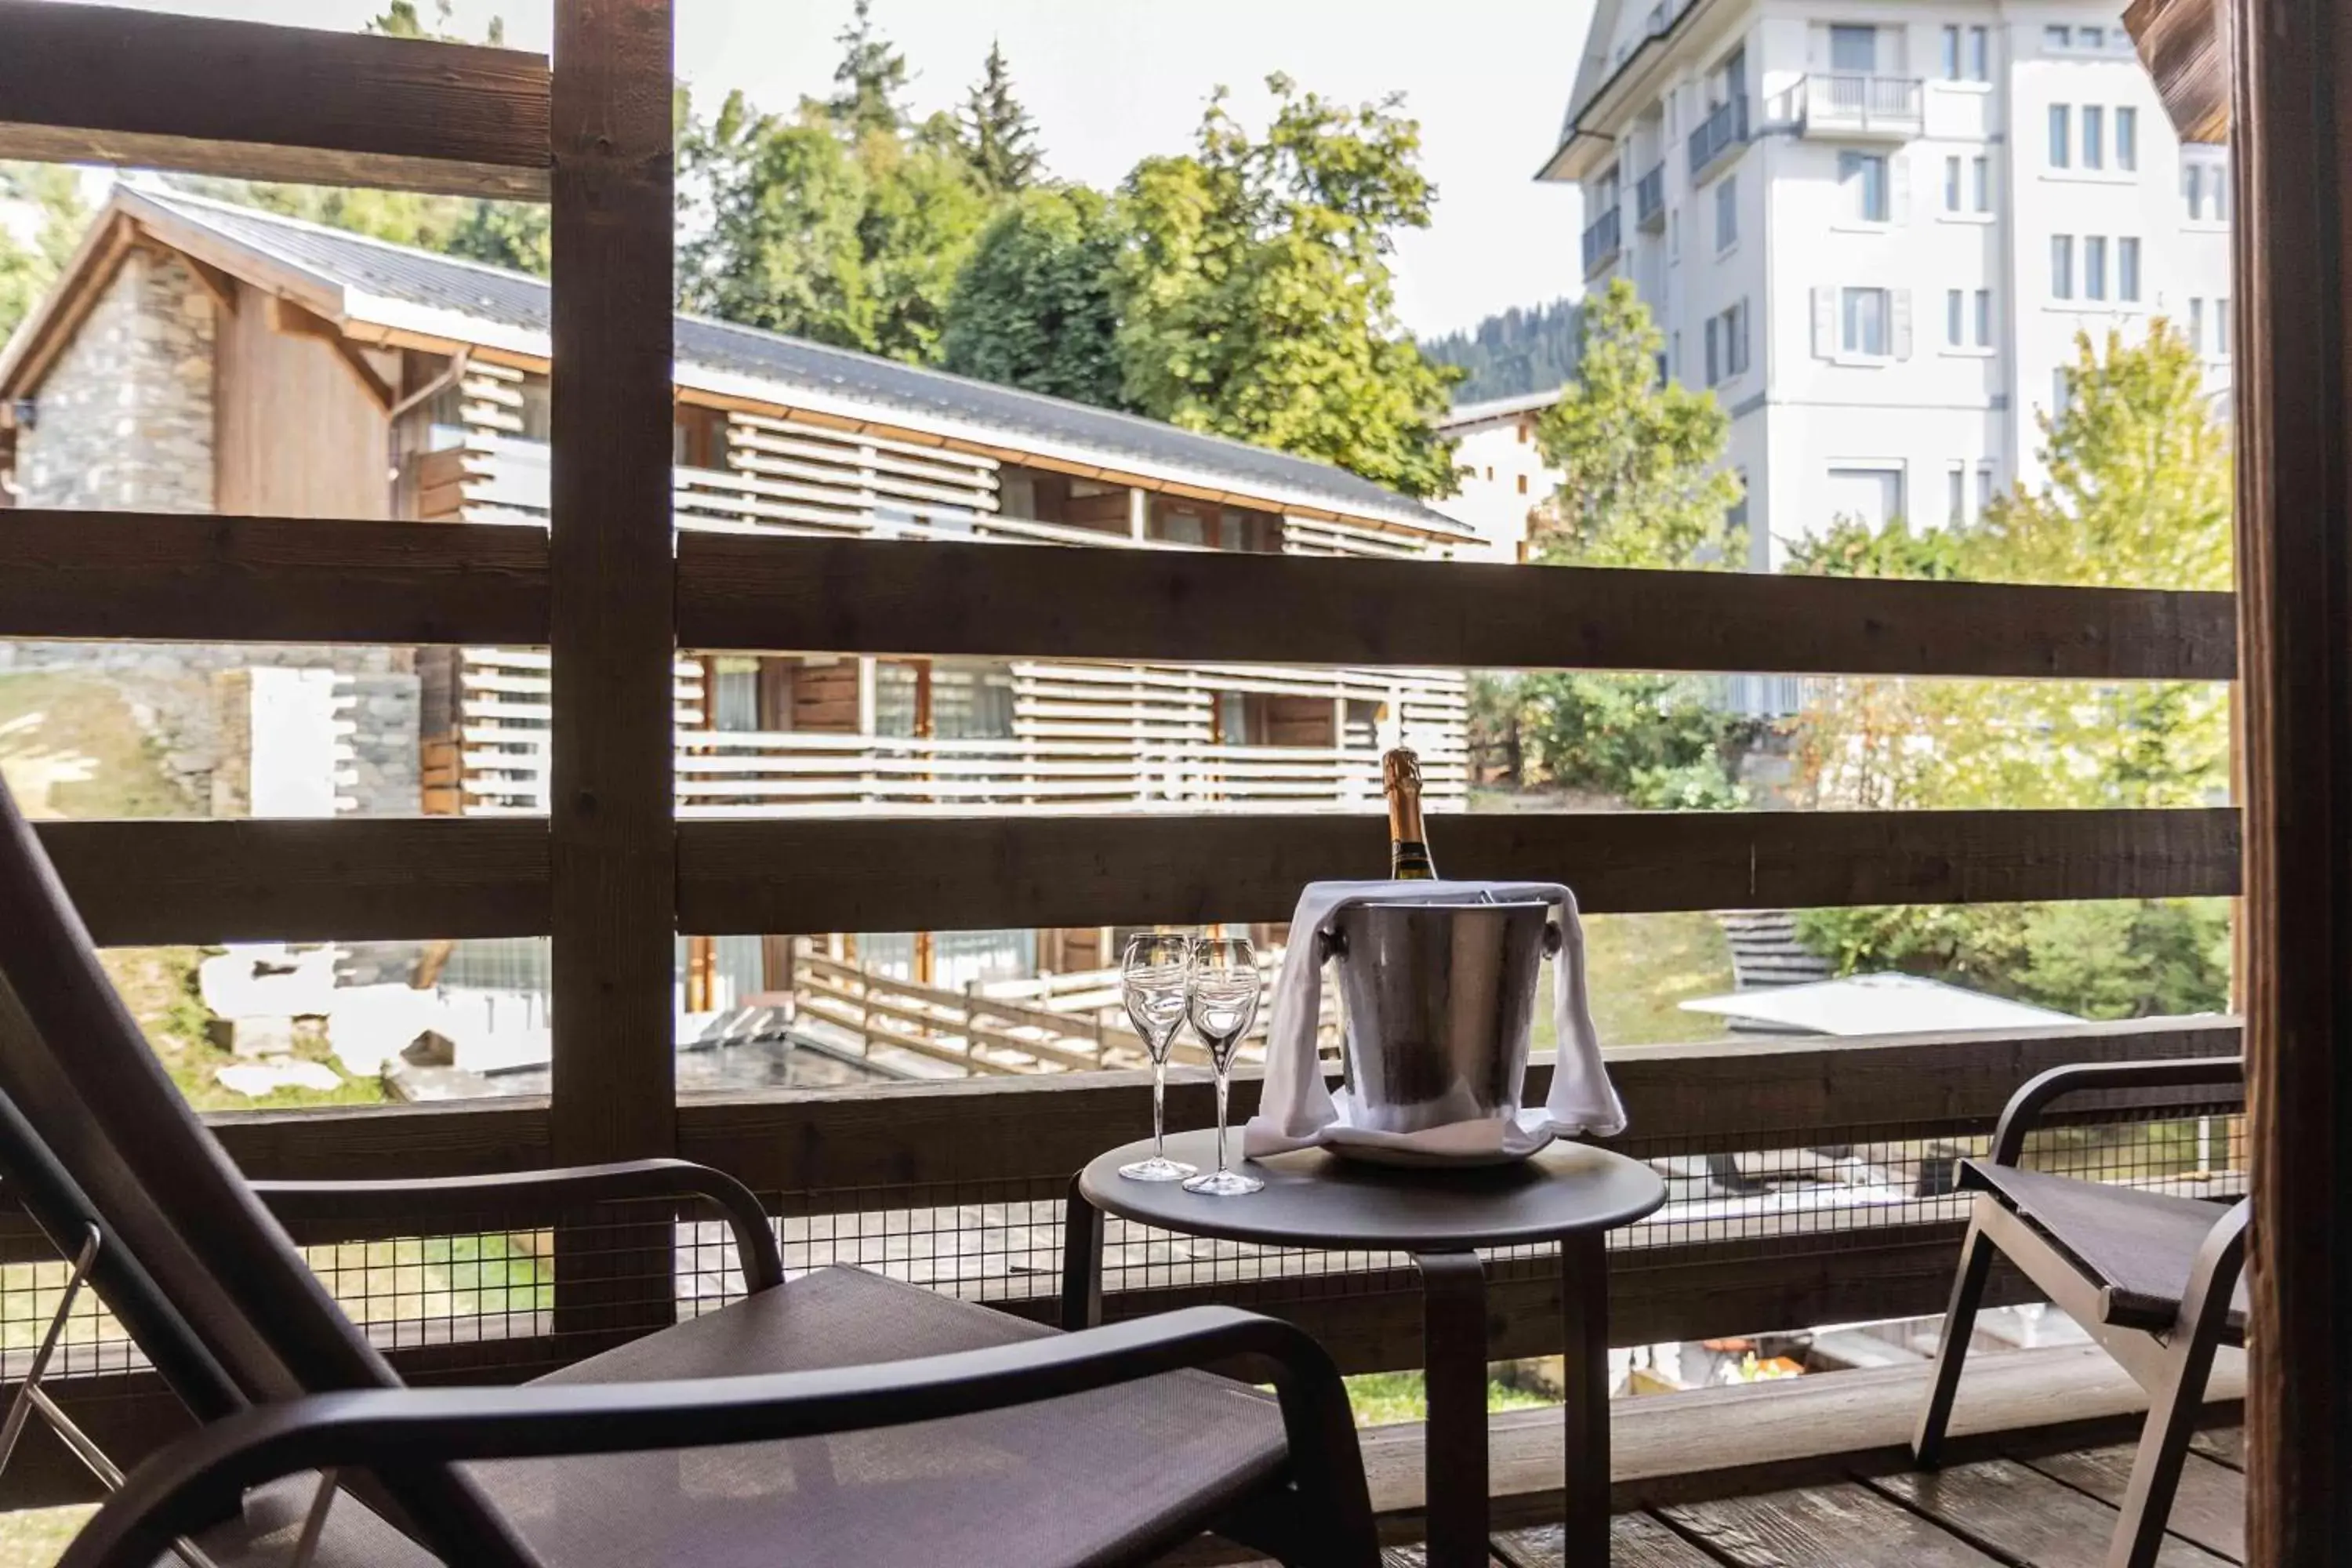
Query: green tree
x=45, y=199
x=999, y=137
x=870, y=81
x=1038, y=304
x=1638, y=455
x=1256, y=295
x=2138, y=493
x=1850, y=547
x=848, y=237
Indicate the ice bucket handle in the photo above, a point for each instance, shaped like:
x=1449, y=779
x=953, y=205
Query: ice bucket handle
x=1330, y=944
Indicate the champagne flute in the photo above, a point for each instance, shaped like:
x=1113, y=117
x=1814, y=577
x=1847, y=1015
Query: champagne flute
x=1151, y=982
x=1220, y=999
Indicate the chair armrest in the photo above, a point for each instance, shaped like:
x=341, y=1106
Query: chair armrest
x=2214, y=1277
x=755, y=1238
x=203, y=1476
x=2027, y=1104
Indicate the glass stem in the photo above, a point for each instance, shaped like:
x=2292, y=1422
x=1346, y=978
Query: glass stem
x=1159, y=1098
x=1224, y=1079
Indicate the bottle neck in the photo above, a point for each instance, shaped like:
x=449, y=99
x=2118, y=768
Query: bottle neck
x=1409, y=859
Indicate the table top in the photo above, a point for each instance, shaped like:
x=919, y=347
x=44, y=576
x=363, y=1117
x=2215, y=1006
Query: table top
x=1314, y=1198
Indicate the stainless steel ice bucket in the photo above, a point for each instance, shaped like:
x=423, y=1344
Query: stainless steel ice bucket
x=1437, y=1000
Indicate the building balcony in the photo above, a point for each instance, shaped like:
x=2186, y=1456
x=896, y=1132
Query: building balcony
x=1650, y=200
x=1847, y=107
x=1604, y=238
x=1718, y=138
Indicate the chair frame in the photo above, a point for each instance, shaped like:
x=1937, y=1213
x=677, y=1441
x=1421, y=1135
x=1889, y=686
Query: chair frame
x=1319, y=1513
x=2173, y=1364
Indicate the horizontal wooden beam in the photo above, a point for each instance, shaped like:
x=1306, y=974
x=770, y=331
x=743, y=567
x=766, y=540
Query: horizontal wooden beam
x=871, y=874
x=144, y=883
x=1717, y=1094
x=742, y=591
x=101, y=84
x=164, y=577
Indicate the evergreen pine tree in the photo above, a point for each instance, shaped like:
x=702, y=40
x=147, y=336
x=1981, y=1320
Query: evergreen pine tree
x=995, y=130
x=870, y=78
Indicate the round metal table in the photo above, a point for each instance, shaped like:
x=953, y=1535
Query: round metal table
x=1571, y=1193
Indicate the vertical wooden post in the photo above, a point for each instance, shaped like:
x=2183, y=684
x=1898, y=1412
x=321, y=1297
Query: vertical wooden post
x=612, y=634
x=2293, y=160
x=613, y=570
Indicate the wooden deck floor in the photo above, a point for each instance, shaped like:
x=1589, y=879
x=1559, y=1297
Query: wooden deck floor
x=2030, y=1509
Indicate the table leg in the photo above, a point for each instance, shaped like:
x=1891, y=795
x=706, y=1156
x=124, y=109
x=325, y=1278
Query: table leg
x=1453, y=1354
x=1082, y=1245
x=1584, y=1376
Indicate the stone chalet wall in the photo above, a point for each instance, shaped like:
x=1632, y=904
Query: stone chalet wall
x=125, y=421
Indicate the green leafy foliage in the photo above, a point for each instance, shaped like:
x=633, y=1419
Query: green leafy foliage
x=842, y=221
x=1850, y=547
x=1255, y=293
x=46, y=199
x=1036, y=306
x=1638, y=455
x=2138, y=494
x=1658, y=743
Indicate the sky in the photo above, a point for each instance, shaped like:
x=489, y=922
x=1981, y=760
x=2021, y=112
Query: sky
x=1112, y=80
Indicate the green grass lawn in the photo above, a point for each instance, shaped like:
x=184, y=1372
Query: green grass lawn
x=1385, y=1398
x=1639, y=969
x=36, y=1537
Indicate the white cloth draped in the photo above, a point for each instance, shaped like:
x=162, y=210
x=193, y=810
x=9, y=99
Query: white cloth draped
x=1296, y=1109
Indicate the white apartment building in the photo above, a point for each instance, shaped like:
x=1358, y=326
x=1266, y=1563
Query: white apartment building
x=1873, y=229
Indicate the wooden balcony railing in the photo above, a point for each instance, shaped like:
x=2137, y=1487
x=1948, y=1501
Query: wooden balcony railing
x=958, y=1185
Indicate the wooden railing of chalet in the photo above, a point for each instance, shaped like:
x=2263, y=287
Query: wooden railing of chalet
x=614, y=877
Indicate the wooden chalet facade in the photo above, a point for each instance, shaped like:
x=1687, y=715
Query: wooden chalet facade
x=282, y=369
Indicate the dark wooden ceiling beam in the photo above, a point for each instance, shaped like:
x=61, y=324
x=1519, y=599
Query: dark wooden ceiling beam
x=167, y=577
x=100, y=84
x=771, y=592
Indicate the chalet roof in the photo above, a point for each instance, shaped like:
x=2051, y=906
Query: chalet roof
x=1876, y=1005
x=1461, y=415
x=380, y=284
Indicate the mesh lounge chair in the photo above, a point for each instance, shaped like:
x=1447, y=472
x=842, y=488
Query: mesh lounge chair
x=840, y=1418
x=2154, y=1277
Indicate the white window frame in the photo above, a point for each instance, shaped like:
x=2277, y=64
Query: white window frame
x=1851, y=339
x=2128, y=282
x=1854, y=187
x=1727, y=213
x=2126, y=133
x=2061, y=267
x=2094, y=268
x=2059, y=149
x=2092, y=144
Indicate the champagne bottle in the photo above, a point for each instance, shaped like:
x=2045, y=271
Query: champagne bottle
x=1409, y=859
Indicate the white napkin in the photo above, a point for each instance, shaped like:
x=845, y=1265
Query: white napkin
x=1296, y=1109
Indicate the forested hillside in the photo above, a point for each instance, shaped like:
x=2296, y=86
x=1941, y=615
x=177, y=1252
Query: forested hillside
x=1518, y=351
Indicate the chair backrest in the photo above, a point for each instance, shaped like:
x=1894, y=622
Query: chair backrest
x=79, y=1072
x=94, y=1133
